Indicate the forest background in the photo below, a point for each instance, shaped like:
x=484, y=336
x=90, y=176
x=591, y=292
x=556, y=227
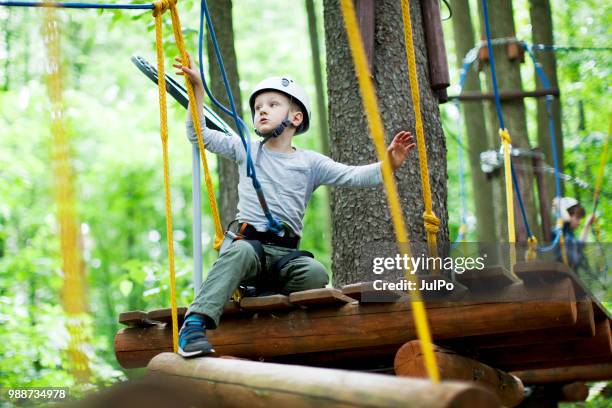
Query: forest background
x=112, y=117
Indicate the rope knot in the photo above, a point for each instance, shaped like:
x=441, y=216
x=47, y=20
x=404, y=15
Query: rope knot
x=160, y=6
x=532, y=248
x=431, y=222
x=505, y=136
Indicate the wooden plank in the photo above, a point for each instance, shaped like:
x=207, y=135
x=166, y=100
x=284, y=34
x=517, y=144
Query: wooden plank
x=231, y=308
x=135, y=318
x=272, y=303
x=409, y=362
x=541, y=272
x=588, y=373
x=366, y=291
x=165, y=315
x=487, y=279
x=355, y=326
x=439, y=77
x=319, y=297
x=238, y=383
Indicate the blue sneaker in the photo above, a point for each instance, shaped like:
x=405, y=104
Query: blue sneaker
x=192, y=337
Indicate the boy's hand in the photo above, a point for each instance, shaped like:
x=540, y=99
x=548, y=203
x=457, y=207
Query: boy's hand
x=191, y=71
x=399, y=148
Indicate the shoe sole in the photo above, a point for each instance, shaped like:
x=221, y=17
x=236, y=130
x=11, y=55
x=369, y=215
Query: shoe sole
x=191, y=354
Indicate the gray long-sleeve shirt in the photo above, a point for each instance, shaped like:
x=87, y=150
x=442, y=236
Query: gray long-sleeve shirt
x=287, y=179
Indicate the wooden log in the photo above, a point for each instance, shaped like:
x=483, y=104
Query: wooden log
x=584, y=327
x=588, y=373
x=409, y=362
x=511, y=358
x=272, y=303
x=236, y=383
x=505, y=96
x=574, y=392
x=319, y=297
x=439, y=77
x=354, y=326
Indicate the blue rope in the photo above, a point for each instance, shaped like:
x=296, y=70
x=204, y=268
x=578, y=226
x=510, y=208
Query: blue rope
x=498, y=108
x=274, y=225
x=77, y=5
x=463, y=75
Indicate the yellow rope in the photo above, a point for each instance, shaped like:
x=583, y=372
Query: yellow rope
x=376, y=128
x=430, y=220
x=507, y=145
x=602, y=164
x=163, y=120
x=160, y=7
x=73, y=296
x=532, y=248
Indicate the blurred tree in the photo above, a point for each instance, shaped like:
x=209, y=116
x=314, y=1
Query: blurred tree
x=361, y=216
x=478, y=138
x=509, y=78
x=542, y=33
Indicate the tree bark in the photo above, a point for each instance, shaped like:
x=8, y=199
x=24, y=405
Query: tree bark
x=475, y=125
x=221, y=14
x=361, y=217
x=542, y=33
x=509, y=78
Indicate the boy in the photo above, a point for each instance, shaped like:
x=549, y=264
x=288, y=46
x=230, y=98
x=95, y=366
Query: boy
x=572, y=214
x=280, y=109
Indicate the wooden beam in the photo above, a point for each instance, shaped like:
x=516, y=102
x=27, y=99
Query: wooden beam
x=238, y=383
x=366, y=11
x=409, y=362
x=356, y=326
x=439, y=77
x=504, y=96
x=588, y=373
x=574, y=392
x=135, y=318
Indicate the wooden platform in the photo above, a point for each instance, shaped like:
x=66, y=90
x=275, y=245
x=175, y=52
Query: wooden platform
x=542, y=318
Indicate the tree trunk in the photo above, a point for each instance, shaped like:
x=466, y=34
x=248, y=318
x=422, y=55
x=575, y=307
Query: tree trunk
x=221, y=13
x=542, y=33
x=475, y=125
x=360, y=216
x=501, y=21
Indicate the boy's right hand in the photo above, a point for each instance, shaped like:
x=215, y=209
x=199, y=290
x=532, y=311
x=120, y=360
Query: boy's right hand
x=191, y=71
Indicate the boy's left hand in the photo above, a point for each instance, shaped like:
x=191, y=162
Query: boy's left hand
x=399, y=148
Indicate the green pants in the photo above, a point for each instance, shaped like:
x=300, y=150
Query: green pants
x=239, y=264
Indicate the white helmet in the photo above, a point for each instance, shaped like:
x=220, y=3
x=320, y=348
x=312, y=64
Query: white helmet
x=566, y=204
x=294, y=91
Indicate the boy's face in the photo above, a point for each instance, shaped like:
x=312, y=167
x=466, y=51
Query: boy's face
x=271, y=108
x=575, y=220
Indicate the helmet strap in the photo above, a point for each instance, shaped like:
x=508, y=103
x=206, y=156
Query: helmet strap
x=276, y=132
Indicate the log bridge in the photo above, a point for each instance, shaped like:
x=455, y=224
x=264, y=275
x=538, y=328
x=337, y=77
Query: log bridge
x=539, y=326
